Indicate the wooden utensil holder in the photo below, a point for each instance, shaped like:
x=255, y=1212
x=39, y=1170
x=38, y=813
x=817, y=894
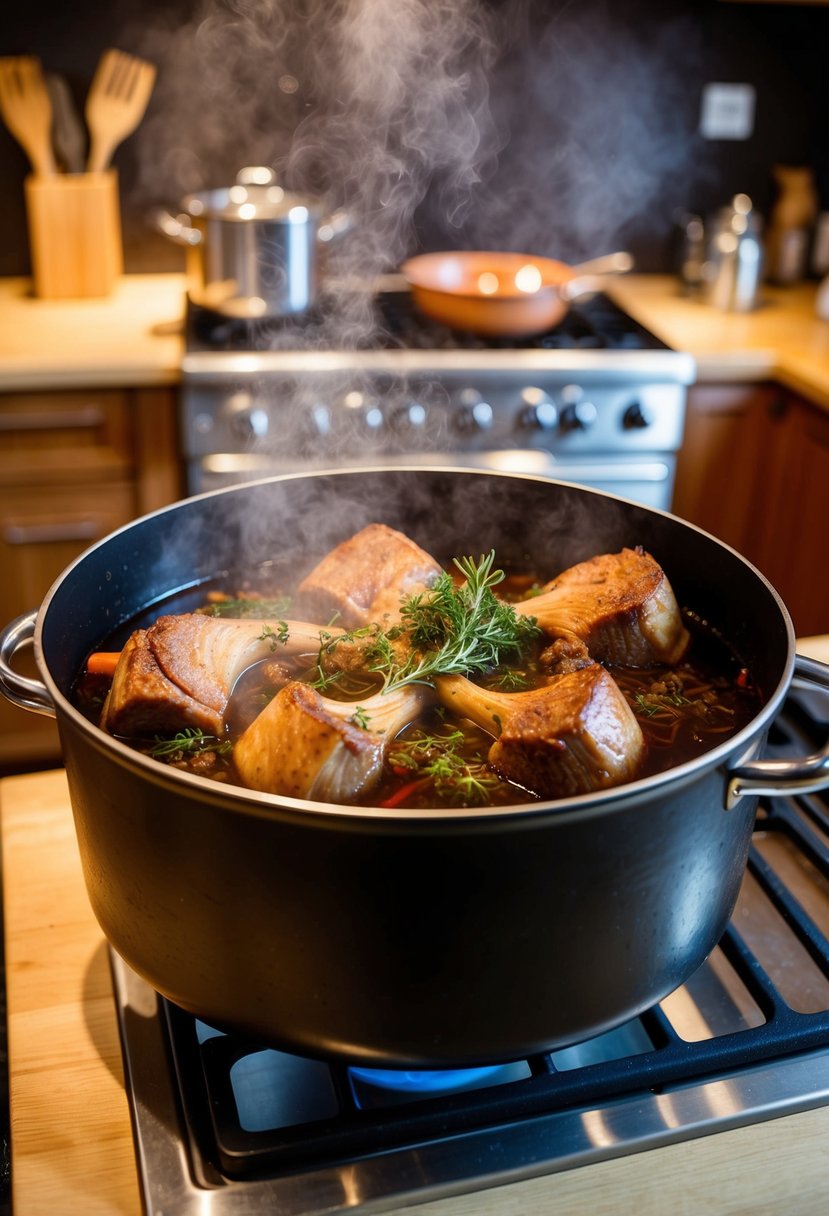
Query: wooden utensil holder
x=74, y=234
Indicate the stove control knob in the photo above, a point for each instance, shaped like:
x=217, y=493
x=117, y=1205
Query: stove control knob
x=367, y=409
x=636, y=417
x=319, y=420
x=473, y=414
x=248, y=420
x=537, y=411
x=578, y=416
x=410, y=417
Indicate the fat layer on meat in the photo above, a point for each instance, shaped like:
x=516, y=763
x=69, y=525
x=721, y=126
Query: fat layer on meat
x=572, y=736
x=620, y=605
x=364, y=579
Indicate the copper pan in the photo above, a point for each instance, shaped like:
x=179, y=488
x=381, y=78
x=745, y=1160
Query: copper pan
x=503, y=295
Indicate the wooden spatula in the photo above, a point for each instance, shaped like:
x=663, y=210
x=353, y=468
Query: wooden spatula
x=27, y=111
x=116, y=103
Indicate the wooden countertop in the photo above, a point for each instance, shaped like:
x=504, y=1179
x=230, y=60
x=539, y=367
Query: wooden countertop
x=782, y=340
x=133, y=337
x=72, y=1150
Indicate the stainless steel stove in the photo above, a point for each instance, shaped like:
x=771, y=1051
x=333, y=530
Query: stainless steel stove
x=598, y=400
x=228, y=1127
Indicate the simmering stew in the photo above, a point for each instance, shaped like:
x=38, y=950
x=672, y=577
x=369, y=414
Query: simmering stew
x=450, y=694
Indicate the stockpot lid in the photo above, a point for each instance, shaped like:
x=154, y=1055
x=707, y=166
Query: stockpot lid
x=256, y=195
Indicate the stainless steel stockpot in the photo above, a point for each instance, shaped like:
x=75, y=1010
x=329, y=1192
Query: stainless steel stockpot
x=420, y=939
x=252, y=248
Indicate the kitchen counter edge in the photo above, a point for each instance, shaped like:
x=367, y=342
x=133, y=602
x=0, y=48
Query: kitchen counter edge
x=134, y=337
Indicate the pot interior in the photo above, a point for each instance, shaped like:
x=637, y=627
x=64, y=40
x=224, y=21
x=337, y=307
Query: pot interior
x=531, y=523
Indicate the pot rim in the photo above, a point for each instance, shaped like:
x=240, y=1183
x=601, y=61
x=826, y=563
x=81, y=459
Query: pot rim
x=615, y=800
x=246, y=204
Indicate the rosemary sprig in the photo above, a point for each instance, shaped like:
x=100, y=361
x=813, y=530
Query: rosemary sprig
x=449, y=630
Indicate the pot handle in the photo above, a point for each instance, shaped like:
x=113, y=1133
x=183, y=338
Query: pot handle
x=176, y=227
x=29, y=694
x=590, y=277
x=804, y=776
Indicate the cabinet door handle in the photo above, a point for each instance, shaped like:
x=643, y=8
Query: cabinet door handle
x=51, y=533
x=86, y=418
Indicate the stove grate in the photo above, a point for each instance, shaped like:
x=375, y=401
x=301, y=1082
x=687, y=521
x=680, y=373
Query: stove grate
x=256, y=1112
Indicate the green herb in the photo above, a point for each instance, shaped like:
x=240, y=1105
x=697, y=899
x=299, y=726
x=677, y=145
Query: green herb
x=450, y=629
x=360, y=717
x=188, y=742
x=456, y=780
x=278, y=636
x=256, y=609
x=512, y=680
x=649, y=703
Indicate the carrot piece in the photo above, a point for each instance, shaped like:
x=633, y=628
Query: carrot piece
x=103, y=662
x=401, y=794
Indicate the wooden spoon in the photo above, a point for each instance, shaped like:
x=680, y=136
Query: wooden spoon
x=116, y=103
x=27, y=111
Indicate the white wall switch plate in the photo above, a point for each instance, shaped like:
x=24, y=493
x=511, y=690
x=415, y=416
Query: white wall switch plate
x=727, y=111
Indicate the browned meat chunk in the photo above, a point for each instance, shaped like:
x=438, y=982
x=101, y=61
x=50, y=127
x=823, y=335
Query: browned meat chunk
x=304, y=745
x=575, y=735
x=564, y=655
x=143, y=702
x=620, y=605
x=180, y=671
x=365, y=577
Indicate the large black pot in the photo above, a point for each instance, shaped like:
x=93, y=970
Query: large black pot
x=410, y=938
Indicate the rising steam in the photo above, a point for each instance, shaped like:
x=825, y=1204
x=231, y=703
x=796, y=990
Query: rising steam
x=547, y=126
x=369, y=105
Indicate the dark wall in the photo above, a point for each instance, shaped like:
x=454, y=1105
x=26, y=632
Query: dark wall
x=576, y=132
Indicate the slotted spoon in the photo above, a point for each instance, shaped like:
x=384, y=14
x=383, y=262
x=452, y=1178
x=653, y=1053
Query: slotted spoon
x=116, y=103
x=26, y=109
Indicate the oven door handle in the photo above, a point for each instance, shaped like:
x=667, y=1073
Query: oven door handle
x=28, y=694
x=806, y=775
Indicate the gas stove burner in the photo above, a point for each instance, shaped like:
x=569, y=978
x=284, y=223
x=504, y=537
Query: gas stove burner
x=207, y=329
x=392, y=322
x=444, y=1081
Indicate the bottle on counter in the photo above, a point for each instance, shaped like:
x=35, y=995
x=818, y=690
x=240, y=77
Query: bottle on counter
x=733, y=267
x=790, y=224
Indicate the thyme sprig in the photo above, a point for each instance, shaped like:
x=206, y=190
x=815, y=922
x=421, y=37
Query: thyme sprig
x=188, y=742
x=436, y=760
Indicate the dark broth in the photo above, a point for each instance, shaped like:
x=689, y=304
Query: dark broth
x=441, y=761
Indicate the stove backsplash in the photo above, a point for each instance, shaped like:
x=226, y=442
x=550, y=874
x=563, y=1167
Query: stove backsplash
x=614, y=154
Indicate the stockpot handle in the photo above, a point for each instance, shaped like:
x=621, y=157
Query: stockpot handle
x=176, y=227
x=29, y=694
x=804, y=776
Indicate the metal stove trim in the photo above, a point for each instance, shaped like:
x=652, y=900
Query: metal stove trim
x=473, y=1161
x=594, y=366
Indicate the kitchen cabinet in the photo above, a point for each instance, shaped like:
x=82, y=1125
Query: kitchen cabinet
x=754, y=471
x=74, y=465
